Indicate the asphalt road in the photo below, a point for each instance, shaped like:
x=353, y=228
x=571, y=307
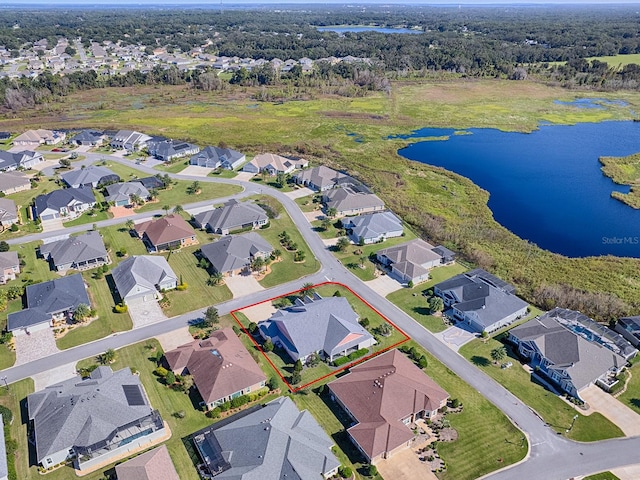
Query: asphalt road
x=551, y=456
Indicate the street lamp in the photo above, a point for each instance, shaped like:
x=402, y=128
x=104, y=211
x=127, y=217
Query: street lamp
x=575, y=417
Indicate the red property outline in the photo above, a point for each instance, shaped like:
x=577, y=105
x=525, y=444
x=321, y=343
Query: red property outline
x=335, y=372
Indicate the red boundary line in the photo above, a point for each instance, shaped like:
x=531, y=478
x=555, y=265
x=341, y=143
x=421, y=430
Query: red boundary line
x=335, y=372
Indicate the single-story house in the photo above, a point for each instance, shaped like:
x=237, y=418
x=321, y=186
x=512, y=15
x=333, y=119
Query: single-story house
x=143, y=277
x=273, y=164
x=269, y=441
x=326, y=326
x=481, y=300
x=79, y=253
x=221, y=367
x=410, y=261
x=14, y=182
x=129, y=140
x=5, y=135
x=91, y=138
x=384, y=396
x=48, y=302
x=629, y=328
x=151, y=183
x=350, y=201
x=166, y=233
x=93, y=420
x=121, y=194
x=569, y=360
x=33, y=138
x=233, y=254
x=9, y=266
x=25, y=159
x=216, y=157
x=167, y=150
x=91, y=176
x=155, y=464
x=321, y=178
x=8, y=213
x=233, y=215
x=373, y=227
x=68, y=202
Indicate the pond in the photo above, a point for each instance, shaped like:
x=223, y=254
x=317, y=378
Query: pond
x=546, y=186
x=360, y=29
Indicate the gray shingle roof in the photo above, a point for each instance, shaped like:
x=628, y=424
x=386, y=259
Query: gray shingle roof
x=345, y=199
x=9, y=259
x=93, y=174
x=415, y=251
x=141, y=273
x=63, y=198
x=15, y=159
x=321, y=176
x=85, y=247
x=273, y=442
x=87, y=136
x=232, y=215
x=373, y=225
x=235, y=251
x=8, y=210
x=9, y=180
x=226, y=156
x=123, y=191
x=84, y=412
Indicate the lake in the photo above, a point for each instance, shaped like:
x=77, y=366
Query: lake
x=344, y=29
x=546, y=186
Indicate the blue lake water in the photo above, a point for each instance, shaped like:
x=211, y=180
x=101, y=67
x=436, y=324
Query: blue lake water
x=546, y=186
x=367, y=29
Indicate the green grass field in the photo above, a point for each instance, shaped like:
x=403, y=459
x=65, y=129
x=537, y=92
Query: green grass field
x=619, y=60
x=602, y=476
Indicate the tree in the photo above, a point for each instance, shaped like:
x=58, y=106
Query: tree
x=276, y=254
x=194, y=188
x=257, y=264
x=81, y=312
x=295, y=378
x=345, y=472
x=362, y=259
x=297, y=367
x=216, y=278
x=166, y=209
x=4, y=246
x=343, y=244
x=299, y=256
x=313, y=360
x=186, y=382
x=170, y=378
x=325, y=224
x=178, y=209
x=211, y=316
x=499, y=353
x=385, y=329
x=372, y=471
x=332, y=212
x=436, y=304
x=64, y=162
x=267, y=346
x=281, y=179
x=307, y=289
x=108, y=357
x=130, y=224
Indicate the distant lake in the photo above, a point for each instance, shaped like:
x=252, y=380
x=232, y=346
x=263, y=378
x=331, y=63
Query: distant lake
x=343, y=29
x=546, y=186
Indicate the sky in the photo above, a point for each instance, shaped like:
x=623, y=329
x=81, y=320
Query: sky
x=53, y=3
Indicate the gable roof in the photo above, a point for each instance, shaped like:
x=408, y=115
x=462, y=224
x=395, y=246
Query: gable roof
x=155, y=464
x=85, y=412
x=415, y=251
x=380, y=393
x=223, y=155
x=8, y=210
x=39, y=136
x=93, y=174
x=151, y=182
x=320, y=176
x=272, y=441
x=9, y=180
x=140, y=273
x=231, y=215
x=169, y=228
x=277, y=162
x=373, y=225
x=16, y=159
x=317, y=324
x=235, y=251
x=123, y=191
x=63, y=198
x=82, y=248
x=220, y=365
x=9, y=260
x=87, y=136
x=343, y=199
x=168, y=148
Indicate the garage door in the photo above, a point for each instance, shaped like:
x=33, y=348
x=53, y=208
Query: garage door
x=44, y=218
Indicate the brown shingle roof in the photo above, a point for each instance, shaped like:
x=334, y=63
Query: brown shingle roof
x=220, y=365
x=170, y=228
x=380, y=393
x=155, y=464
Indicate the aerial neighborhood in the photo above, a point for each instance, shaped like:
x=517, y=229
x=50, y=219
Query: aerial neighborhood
x=108, y=233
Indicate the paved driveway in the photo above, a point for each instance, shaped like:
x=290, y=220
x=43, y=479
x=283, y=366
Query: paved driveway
x=259, y=312
x=300, y=192
x=244, y=176
x=313, y=216
x=455, y=336
x=631, y=472
x=405, y=465
x=52, y=225
x=172, y=340
x=50, y=377
x=613, y=409
x=38, y=344
x=384, y=285
x=196, y=171
x=145, y=313
x=241, y=285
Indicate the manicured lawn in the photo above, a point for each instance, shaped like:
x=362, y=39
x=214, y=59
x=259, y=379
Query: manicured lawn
x=12, y=399
x=175, y=167
x=602, y=476
x=271, y=182
x=223, y=173
x=414, y=303
x=177, y=194
x=631, y=396
x=87, y=217
x=307, y=204
x=557, y=413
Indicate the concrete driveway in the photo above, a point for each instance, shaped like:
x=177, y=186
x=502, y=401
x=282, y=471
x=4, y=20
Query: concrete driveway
x=299, y=193
x=259, y=312
x=196, y=171
x=52, y=225
x=455, y=336
x=38, y=344
x=313, y=216
x=405, y=465
x=244, y=176
x=630, y=472
x=384, y=285
x=613, y=409
x=241, y=285
x=50, y=377
x=145, y=313
x=172, y=340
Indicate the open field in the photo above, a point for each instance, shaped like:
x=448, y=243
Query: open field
x=619, y=60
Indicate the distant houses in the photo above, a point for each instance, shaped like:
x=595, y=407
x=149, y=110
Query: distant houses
x=321, y=178
x=233, y=254
x=129, y=140
x=349, y=200
x=91, y=138
x=168, y=150
x=230, y=217
x=34, y=138
x=166, y=233
x=216, y=157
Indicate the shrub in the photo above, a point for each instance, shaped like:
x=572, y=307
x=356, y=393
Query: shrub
x=236, y=330
x=295, y=378
x=372, y=471
x=180, y=414
x=14, y=227
x=215, y=413
x=272, y=383
x=121, y=308
x=358, y=353
x=161, y=372
x=183, y=286
x=341, y=361
x=364, y=322
x=268, y=345
x=170, y=378
x=7, y=415
x=225, y=406
x=253, y=327
x=239, y=401
x=345, y=472
x=455, y=403
x=422, y=362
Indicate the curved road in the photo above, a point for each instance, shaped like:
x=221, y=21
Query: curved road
x=551, y=456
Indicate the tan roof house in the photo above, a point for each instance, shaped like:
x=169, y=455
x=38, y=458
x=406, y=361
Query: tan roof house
x=273, y=164
x=221, y=367
x=384, y=396
x=166, y=233
x=155, y=464
x=14, y=182
x=8, y=212
x=33, y=138
x=9, y=266
x=351, y=201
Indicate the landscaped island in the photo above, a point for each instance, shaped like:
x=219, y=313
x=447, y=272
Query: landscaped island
x=624, y=171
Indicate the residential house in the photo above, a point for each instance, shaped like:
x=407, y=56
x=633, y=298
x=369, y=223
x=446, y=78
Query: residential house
x=83, y=252
x=91, y=138
x=151, y=183
x=321, y=178
x=49, y=302
x=273, y=164
x=384, y=396
x=33, y=138
x=129, y=140
x=5, y=135
x=14, y=182
x=410, y=261
x=326, y=326
x=562, y=353
x=8, y=213
x=141, y=278
x=91, y=176
x=166, y=233
x=167, y=150
x=68, y=202
x=629, y=328
x=9, y=266
x=94, y=420
x=122, y=194
x=481, y=300
x=233, y=254
x=216, y=157
x=155, y=464
x=233, y=215
x=373, y=227
x=269, y=441
x=25, y=159
x=221, y=367
x=349, y=200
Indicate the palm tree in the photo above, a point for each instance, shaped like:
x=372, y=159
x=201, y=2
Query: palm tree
x=136, y=199
x=307, y=289
x=130, y=224
x=499, y=353
x=276, y=254
x=325, y=224
x=166, y=209
x=108, y=357
x=216, y=278
x=178, y=209
x=332, y=212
